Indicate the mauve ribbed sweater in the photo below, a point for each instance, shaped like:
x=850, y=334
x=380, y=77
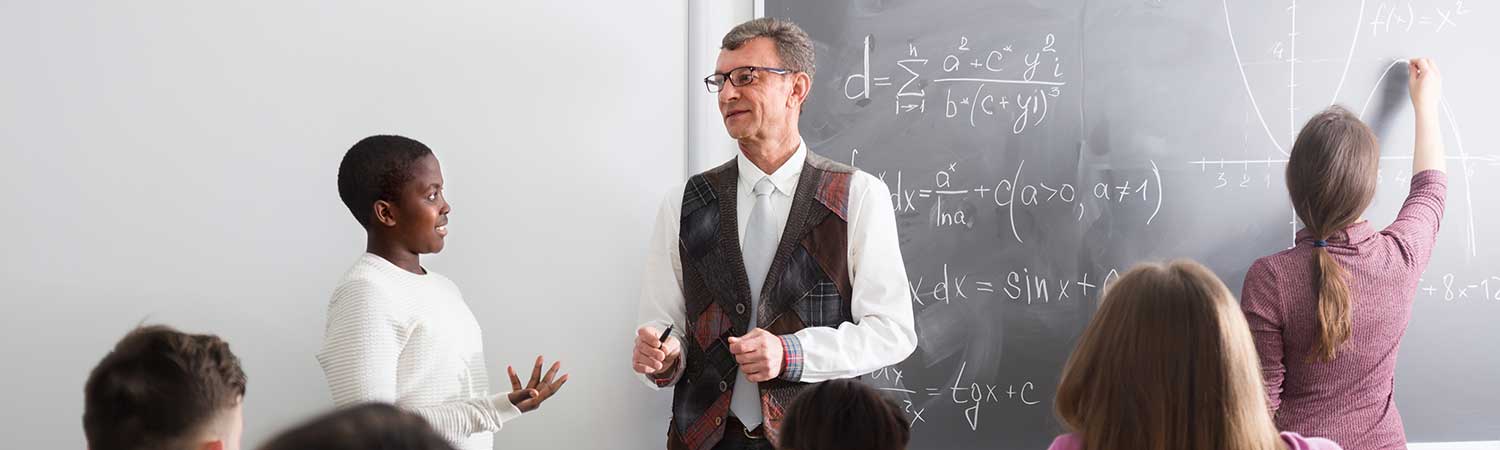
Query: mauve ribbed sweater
x=1350, y=399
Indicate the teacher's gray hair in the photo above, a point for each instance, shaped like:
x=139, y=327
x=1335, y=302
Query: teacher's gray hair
x=792, y=44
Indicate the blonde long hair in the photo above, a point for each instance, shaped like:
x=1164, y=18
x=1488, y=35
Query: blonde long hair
x=1167, y=363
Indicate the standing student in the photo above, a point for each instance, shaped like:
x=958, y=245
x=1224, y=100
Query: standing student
x=160, y=388
x=843, y=414
x=777, y=269
x=398, y=332
x=1328, y=314
x=1167, y=363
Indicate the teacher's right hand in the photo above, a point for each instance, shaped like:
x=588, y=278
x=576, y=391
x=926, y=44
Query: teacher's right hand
x=652, y=356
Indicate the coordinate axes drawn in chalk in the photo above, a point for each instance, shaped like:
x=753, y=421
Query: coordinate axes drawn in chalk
x=1388, y=17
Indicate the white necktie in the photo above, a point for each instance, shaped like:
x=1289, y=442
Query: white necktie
x=760, y=247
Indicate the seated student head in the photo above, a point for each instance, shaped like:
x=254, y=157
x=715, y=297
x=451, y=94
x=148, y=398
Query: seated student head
x=843, y=414
x=1167, y=362
x=161, y=389
x=362, y=427
x=394, y=187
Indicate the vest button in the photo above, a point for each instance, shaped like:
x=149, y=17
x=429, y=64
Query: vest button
x=718, y=421
x=723, y=386
x=740, y=308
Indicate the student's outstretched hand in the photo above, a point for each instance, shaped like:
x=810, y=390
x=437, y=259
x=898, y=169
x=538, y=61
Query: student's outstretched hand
x=538, y=389
x=1426, y=84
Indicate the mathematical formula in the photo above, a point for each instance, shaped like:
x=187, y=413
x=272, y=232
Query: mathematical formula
x=970, y=396
x=1018, y=191
x=970, y=83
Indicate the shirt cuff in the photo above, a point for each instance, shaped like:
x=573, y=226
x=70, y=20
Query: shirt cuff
x=667, y=380
x=791, y=358
x=508, y=412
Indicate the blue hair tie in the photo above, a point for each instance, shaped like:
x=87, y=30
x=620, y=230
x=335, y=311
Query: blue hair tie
x=1320, y=243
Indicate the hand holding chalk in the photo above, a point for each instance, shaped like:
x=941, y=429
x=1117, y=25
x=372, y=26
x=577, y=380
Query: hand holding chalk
x=1426, y=84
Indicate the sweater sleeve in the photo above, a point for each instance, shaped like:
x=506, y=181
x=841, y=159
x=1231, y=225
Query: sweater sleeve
x=1262, y=308
x=361, y=346
x=1416, y=226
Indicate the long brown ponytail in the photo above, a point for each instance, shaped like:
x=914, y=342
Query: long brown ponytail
x=1331, y=178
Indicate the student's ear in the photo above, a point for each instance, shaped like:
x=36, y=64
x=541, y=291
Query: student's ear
x=217, y=444
x=385, y=213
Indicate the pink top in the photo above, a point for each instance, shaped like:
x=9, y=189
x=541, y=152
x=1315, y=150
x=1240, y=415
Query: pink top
x=1293, y=441
x=1348, y=399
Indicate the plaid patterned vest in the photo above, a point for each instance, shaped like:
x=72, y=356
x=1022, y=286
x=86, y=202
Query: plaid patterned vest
x=807, y=285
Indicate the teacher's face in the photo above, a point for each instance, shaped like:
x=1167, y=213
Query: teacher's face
x=765, y=107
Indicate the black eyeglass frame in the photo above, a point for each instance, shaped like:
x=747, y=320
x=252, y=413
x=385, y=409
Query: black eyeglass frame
x=715, y=82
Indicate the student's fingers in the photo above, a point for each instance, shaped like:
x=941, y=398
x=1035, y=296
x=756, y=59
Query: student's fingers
x=536, y=372
x=532, y=401
x=515, y=381
x=518, y=398
x=1424, y=67
x=548, y=390
x=551, y=372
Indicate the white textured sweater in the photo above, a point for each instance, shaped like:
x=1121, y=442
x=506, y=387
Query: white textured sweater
x=397, y=337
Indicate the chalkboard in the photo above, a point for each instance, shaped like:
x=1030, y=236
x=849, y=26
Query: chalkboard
x=1037, y=149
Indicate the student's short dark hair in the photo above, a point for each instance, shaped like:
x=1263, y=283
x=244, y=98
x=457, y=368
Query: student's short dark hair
x=375, y=168
x=157, y=387
x=841, y=414
x=362, y=427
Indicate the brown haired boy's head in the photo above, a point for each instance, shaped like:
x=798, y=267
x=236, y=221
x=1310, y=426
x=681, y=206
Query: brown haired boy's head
x=824, y=415
x=362, y=427
x=163, y=389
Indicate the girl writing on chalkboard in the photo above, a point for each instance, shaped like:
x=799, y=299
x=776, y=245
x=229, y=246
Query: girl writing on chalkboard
x=1167, y=363
x=1328, y=314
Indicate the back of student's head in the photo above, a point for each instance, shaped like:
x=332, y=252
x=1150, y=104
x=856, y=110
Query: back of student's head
x=375, y=168
x=163, y=389
x=1166, y=363
x=1331, y=178
x=843, y=414
x=369, y=426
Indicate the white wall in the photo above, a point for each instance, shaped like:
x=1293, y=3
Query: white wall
x=708, y=21
x=174, y=162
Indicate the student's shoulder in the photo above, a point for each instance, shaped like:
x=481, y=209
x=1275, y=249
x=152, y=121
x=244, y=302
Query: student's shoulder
x=1066, y=442
x=1278, y=262
x=363, y=286
x=1295, y=441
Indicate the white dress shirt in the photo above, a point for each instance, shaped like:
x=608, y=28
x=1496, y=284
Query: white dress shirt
x=883, y=331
